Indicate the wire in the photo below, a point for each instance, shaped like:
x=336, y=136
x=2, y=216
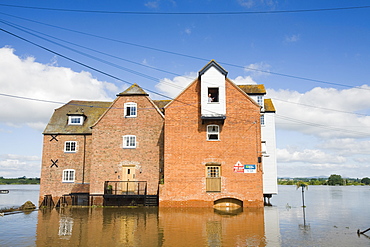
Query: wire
x=70, y=59
x=321, y=108
x=189, y=13
x=99, y=52
x=321, y=125
x=90, y=67
x=80, y=63
x=138, y=73
x=194, y=57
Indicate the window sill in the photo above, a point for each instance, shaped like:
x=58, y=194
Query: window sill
x=68, y=182
x=70, y=152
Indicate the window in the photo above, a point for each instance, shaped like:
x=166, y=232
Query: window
x=129, y=141
x=212, y=132
x=264, y=148
x=75, y=120
x=213, y=171
x=68, y=176
x=213, y=94
x=70, y=146
x=260, y=100
x=262, y=119
x=130, y=109
x=213, y=178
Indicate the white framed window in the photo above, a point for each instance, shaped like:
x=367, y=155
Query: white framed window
x=264, y=147
x=263, y=120
x=260, y=100
x=70, y=146
x=129, y=141
x=75, y=120
x=68, y=176
x=213, y=95
x=130, y=109
x=213, y=133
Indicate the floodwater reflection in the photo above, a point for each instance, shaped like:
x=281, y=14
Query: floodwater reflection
x=150, y=227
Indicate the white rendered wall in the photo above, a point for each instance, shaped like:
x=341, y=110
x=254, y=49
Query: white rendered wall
x=269, y=159
x=213, y=78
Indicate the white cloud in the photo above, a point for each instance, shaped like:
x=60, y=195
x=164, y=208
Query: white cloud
x=155, y=4
x=323, y=119
x=152, y=4
x=244, y=80
x=292, y=38
x=252, y=3
x=13, y=166
x=257, y=69
x=25, y=77
x=347, y=146
x=331, y=115
x=172, y=87
x=247, y=3
x=312, y=156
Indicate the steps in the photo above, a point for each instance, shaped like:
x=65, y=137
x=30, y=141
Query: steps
x=151, y=200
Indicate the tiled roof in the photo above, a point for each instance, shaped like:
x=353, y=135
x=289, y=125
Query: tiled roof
x=92, y=110
x=269, y=106
x=161, y=104
x=253, y=89
x=133, y=90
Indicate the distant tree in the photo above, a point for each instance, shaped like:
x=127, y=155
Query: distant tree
x=365, y=180
x=335, y=180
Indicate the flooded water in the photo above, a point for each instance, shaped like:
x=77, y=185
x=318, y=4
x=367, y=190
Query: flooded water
x=332, y=217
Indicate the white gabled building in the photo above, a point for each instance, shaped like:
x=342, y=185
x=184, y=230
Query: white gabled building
x=268, y=140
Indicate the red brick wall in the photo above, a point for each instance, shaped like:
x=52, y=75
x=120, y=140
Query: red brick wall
x=187, y=151
x=108, y=154
x=51, y=177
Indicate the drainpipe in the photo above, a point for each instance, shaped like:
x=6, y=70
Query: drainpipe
x=84, y=161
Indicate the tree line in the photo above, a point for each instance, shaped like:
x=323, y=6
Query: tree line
x=333, y=179
x=20, y=180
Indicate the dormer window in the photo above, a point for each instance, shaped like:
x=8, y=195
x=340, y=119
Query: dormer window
x=75, y=120
x=213, y=94
x=130, y=109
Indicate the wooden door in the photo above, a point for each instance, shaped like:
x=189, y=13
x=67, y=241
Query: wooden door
x=128, y=178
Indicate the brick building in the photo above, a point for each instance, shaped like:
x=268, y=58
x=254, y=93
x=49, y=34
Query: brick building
x=204, y=148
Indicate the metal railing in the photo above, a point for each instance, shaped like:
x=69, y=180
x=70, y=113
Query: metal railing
x=125, y=188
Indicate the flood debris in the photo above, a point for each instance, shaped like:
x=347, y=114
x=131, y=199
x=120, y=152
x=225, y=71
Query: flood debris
x=362, y=232
x=26, y=207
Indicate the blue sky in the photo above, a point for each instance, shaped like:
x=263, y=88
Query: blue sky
x=318, y=63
